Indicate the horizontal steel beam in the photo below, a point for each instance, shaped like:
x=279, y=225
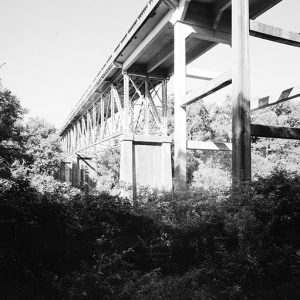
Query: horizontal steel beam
x=275, y=132
x=211, y=35
x=256, y=130
x=213, y=146
x=141, y=70
x=145, y=138
x=257, y=29
x=274, y=34
x=99, y=142
x=200, y=74
x=212, y=86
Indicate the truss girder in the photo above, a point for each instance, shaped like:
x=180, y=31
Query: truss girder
x=106, y=118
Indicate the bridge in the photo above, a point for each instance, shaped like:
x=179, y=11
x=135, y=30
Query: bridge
x=126, y=104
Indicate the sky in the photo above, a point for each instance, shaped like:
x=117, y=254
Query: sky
x=53, y=49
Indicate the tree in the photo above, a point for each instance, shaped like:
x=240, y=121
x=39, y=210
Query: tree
x=108, y=167
x=210, y=122
x=205, y=122
x=213, y=122
x=276, y=154
x=11, y=114
x=41, y=147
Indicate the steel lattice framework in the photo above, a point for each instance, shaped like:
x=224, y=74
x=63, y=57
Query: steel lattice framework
x=143, y=98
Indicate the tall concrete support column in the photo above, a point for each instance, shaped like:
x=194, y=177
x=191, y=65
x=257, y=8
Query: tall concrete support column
x=126, y=161
x=180, y=35
x=75, y=171
x=92, y=178
x=166, y=166
x=241, y=128
x=127, y=168
x=68, y=172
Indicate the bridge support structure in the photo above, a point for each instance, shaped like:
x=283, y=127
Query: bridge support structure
x=132, y=114
x=127, y=101
x=146, y=162
x=233, y=28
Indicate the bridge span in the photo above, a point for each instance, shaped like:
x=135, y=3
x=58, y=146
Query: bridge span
x=127, y=101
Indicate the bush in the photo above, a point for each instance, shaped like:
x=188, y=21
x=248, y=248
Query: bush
x=196, y=245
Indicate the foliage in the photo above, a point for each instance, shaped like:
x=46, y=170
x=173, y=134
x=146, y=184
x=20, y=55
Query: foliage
x=207, y=122
x=61, y=243
x=11, y=113
x=211, y=175
x=213, y=122
x=108, y=167
x=26, y=148
x=41, y=150
x=42, y=147
x=57, y=244
x=47, y=185
x=276, y=154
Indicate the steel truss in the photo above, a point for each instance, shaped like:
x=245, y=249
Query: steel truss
x=132, y=104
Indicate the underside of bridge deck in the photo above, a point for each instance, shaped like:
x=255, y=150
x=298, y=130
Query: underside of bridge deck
x=129, y=95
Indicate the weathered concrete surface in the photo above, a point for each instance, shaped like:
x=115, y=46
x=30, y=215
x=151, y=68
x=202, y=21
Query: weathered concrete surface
x=146, y=161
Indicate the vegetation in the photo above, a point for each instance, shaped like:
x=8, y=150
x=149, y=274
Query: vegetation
x=213, y=122
x=66, y=245
x=27, y=148
x=59, y=242
x=10, y=130
x=108, y=168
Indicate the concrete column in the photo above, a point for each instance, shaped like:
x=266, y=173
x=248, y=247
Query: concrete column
x=74, y=171
x=62, y=171
x=241, y=128
x=127, y=175
x=94, y=172
x=80, y=177
x=126, y=160
x=180, y=35
x=68, y=172
x=166, y=166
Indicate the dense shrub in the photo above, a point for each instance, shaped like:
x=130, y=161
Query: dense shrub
x=57, y=244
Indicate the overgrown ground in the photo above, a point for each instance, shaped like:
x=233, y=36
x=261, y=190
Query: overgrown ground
x=60, y=243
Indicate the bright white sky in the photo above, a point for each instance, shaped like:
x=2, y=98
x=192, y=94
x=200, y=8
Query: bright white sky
x=52, y=50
